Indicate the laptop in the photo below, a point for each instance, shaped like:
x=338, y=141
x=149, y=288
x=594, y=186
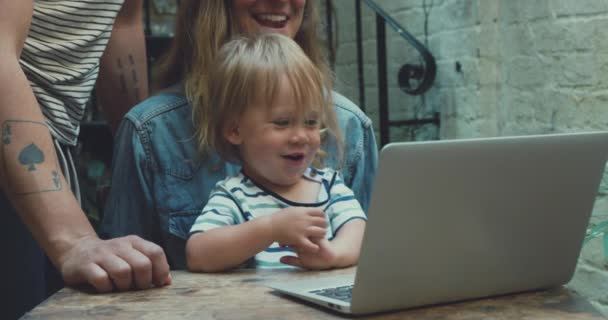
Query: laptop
x=453, y=220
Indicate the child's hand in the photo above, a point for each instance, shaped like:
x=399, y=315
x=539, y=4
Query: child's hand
x=322, y=259
x=295, y=226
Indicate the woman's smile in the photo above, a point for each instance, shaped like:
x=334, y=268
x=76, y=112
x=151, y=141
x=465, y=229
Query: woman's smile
x=272, y=20
x=255, y=16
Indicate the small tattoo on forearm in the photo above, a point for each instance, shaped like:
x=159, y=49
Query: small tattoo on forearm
x=123, y=83
x=56, y=179
x=131, y=60
x=30, y=166
x=6, y=134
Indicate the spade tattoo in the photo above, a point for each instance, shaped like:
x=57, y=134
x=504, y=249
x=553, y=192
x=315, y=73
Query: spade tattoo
x=30, y=156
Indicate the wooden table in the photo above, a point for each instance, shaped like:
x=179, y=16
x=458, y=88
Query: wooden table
x=243, y=295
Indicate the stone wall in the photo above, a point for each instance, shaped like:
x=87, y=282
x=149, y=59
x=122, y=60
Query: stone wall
x=505, y=67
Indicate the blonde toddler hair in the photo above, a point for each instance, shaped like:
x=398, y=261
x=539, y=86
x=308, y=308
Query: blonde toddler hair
x=248, y=70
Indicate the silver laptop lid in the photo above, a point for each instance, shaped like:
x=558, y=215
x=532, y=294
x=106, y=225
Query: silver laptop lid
x=457, y=219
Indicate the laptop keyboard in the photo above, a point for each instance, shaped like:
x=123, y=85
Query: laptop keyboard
x=343, y=293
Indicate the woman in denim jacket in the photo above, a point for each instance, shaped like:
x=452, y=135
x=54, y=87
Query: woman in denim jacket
x=160, y=183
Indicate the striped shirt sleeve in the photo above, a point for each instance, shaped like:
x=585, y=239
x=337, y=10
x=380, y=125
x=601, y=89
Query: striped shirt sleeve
x=343, y=206
x=221, y=210
x=61, y=58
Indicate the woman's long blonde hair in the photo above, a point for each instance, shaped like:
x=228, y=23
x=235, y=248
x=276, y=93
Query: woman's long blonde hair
x=256, y=68
x=202, y=28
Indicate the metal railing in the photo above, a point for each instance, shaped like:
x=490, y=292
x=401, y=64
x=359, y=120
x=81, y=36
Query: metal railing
x=413, y=79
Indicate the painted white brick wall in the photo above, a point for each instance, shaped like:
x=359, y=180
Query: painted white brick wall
x=526, y=67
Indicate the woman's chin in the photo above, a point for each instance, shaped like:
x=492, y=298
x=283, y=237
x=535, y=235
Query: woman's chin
x=283, y=31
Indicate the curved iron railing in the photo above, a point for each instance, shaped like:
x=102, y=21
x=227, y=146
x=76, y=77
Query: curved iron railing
x=425, y=72
x=413, y=79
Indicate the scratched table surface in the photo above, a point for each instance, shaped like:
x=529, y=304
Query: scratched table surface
x=244, y=295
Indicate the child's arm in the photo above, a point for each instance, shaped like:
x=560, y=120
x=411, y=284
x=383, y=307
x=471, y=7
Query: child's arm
x=348, y=219
x=347, y=243
x=229, y=246
x=342, y=251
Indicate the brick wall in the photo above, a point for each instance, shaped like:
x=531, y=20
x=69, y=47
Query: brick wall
x=505, y=67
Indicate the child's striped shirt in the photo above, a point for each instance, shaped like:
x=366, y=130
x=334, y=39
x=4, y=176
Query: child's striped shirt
x=238, y=199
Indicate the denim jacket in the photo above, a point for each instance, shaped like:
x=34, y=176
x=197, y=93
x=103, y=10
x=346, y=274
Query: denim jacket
x=160, y=184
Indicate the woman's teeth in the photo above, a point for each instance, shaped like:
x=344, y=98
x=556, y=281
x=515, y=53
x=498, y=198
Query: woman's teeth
x=272, y=17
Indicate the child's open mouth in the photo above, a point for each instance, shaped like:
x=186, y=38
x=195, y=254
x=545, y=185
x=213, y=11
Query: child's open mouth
x=294, y=157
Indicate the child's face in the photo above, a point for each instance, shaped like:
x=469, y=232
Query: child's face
x=277, y=143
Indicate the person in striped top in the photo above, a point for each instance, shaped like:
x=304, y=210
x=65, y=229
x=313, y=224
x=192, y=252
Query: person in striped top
x=283, y=208
x=53, y=53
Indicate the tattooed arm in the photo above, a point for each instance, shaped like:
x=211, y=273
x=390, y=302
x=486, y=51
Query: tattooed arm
x=31, y=179
x=123, y=76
